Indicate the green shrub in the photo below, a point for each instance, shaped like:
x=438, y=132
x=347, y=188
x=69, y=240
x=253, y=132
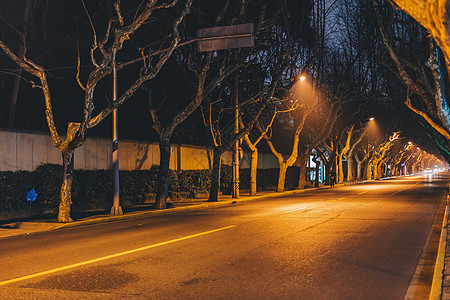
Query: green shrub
x=13, y=190
x=93, y=189
x=47, y=180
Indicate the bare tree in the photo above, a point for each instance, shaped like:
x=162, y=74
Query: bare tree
x=306, y=105
x=273, y=60
x=259, y=136
x=319, y=128
x=362, y=157
x=434, y=15
x=397, y=156
x=327, y=152
x=103, y=55
x=380, y=155
x=208, y=70
x=357, y=138
x=221, y=135
x=423, y=77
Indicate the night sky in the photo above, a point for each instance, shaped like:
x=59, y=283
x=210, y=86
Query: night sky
x=53, y=34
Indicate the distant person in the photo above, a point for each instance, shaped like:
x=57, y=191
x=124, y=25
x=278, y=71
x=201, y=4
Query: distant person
x=332, y=178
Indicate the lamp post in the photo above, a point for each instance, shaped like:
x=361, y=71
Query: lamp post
x=235, y=191
x=116, y=210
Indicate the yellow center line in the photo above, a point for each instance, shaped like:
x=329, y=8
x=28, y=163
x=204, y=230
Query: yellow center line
x=342, y=198
x=362, y=192
x=110, y=256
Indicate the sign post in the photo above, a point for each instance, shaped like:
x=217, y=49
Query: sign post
x=229, y=37
x=225, y=37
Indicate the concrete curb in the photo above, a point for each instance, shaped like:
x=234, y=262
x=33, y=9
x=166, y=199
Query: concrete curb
x=436, y=286
x=142, y=214
x=426, y=282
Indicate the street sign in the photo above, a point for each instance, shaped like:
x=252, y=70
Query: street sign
x=225, y=37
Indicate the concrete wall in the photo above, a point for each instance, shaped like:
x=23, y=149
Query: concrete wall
x=26, y=151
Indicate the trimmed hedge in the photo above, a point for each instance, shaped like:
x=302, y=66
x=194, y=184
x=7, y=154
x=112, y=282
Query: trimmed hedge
x=93, y=189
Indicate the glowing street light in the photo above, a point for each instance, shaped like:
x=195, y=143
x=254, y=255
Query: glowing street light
x=302, y=77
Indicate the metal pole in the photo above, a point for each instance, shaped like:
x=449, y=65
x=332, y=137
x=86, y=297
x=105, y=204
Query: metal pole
x=116, y=210
x=236, y=145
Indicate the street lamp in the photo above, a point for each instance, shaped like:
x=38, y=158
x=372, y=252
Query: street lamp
x=371, y=119
x=302, y=77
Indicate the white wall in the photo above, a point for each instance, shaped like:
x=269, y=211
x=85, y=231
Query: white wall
x=26, y=150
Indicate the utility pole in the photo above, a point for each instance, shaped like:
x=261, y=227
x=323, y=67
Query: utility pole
x=236, y=131
x=116, y=210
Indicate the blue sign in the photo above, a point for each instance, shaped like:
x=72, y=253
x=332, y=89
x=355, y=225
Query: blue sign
x=31, y=195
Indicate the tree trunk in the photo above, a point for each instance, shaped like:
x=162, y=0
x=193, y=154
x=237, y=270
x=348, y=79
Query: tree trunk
x=163, y=173
x=341, y=169
x=377, y=170
x=358, y=169
x=316, y=178
x=302, y=172
x=65, y=201
x=215, y=177
x=327, y=173
x=358, y=166
x=368, y=171
x=253, y=172
x=282, y=176
x=350, y=170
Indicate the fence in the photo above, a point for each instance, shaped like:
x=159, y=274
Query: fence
x=20, y=150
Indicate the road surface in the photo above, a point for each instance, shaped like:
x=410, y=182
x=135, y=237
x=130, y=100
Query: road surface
x=350, y=242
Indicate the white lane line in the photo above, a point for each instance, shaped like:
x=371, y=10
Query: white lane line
x=110, y=256
x=296, y=210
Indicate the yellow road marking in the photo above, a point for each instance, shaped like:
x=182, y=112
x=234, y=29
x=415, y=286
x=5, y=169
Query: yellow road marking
x=342, y=198
x=109, y=256
x=362, y=192
x=439, y=265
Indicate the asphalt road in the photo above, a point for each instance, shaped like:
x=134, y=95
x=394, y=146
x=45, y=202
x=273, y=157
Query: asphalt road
x=353, y=242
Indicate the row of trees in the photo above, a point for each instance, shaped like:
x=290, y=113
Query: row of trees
x=150, y=45
x=418, y=54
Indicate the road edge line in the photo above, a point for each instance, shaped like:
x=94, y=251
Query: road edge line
x=436, y=286
x=417, y=289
